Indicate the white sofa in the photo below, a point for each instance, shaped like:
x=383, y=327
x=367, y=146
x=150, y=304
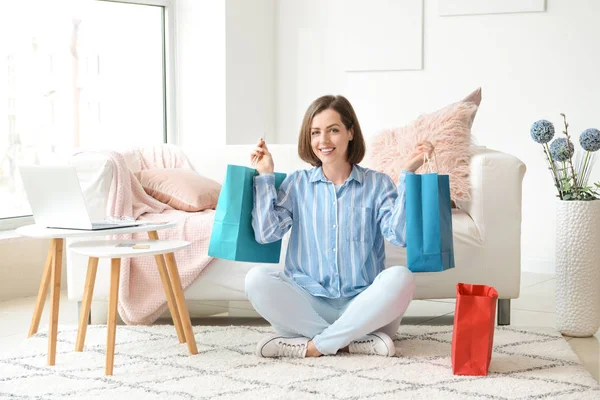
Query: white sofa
x=487, y=229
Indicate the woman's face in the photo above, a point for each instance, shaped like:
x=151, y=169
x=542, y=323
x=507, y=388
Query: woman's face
x=329, y=137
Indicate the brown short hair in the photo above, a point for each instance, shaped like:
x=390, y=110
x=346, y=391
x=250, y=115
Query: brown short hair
x=356, y=147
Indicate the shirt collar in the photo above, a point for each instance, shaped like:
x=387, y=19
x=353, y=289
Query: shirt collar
x=357, y=174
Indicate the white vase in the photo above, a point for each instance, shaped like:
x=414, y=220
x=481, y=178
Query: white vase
x=578, y=267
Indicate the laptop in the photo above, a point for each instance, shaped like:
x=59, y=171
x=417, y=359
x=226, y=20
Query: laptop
x=57, y=201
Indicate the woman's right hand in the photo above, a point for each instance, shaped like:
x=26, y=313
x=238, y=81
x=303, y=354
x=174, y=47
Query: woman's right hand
x=261, y=158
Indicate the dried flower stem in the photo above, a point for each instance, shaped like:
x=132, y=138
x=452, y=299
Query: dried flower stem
x=552, y=169
x=584, y=173
x=566, y=132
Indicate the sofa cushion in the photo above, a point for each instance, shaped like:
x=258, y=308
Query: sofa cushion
x=449, y=129
x=181, y=188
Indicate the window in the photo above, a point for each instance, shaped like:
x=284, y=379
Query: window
x=78, y=74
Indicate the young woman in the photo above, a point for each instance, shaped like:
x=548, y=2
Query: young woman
x=335, y=294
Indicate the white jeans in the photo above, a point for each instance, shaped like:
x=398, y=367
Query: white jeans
x=331, y=323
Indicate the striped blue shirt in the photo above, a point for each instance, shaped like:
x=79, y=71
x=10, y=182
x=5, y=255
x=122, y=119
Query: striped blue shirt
x=336, y=246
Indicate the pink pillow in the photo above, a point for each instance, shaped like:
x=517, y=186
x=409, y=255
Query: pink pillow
x=181, y=188
x=449, y=129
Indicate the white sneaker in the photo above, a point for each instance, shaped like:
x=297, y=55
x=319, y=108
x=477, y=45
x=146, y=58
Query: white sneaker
x=281, y=346
x=376, y=343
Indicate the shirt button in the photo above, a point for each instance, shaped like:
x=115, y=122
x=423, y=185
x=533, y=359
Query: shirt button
x=334, y=202
x=334, y=250
x=335, y=226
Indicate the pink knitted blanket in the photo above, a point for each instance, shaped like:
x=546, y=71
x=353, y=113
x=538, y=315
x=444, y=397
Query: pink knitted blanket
x=141, y=296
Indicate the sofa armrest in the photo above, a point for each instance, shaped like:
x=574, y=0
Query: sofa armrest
x=95, y=173
x=496, y=194
x=495, y=207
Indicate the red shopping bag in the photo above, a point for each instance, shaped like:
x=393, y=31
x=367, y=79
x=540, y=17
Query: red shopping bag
x=473, y=334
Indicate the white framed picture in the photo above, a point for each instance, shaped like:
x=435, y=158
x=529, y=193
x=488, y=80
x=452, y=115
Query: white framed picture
x=448, y=8
x=383, y=35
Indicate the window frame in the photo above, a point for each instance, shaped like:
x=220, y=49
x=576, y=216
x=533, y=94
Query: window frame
x=169, y=88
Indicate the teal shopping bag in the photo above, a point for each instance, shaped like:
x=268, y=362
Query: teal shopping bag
x=429, y=243
x=232, y=236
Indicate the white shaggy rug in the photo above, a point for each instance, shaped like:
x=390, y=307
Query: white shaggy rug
x=151, y=364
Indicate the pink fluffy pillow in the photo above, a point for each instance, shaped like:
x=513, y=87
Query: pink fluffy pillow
x=182, y=189
x=449, y=129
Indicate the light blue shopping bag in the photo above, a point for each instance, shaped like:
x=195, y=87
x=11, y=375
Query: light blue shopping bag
x=232, y=236
x=429, y=243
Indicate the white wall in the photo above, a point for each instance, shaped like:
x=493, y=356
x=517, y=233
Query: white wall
x=200, y=48
x=250, y=60
x=530, y=66
x=21, y=267
x=308, y=60
x=226, y=71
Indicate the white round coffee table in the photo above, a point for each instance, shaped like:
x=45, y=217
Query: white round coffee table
x=53, y=270
x=115, y=250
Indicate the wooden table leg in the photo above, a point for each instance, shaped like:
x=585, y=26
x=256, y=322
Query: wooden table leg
x=41, y=297
x=54, y=299
x=181, y=306
x=88, y=292
x=115, y=270
x=166, y=282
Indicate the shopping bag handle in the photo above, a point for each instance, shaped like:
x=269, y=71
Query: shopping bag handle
x=256, y=158
x=428, y=161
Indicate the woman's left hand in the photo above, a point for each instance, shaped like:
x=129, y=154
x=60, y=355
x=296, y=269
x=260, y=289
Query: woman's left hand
x=416, y=159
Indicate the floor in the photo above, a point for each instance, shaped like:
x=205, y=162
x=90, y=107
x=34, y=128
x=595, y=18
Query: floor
x=535, y=307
